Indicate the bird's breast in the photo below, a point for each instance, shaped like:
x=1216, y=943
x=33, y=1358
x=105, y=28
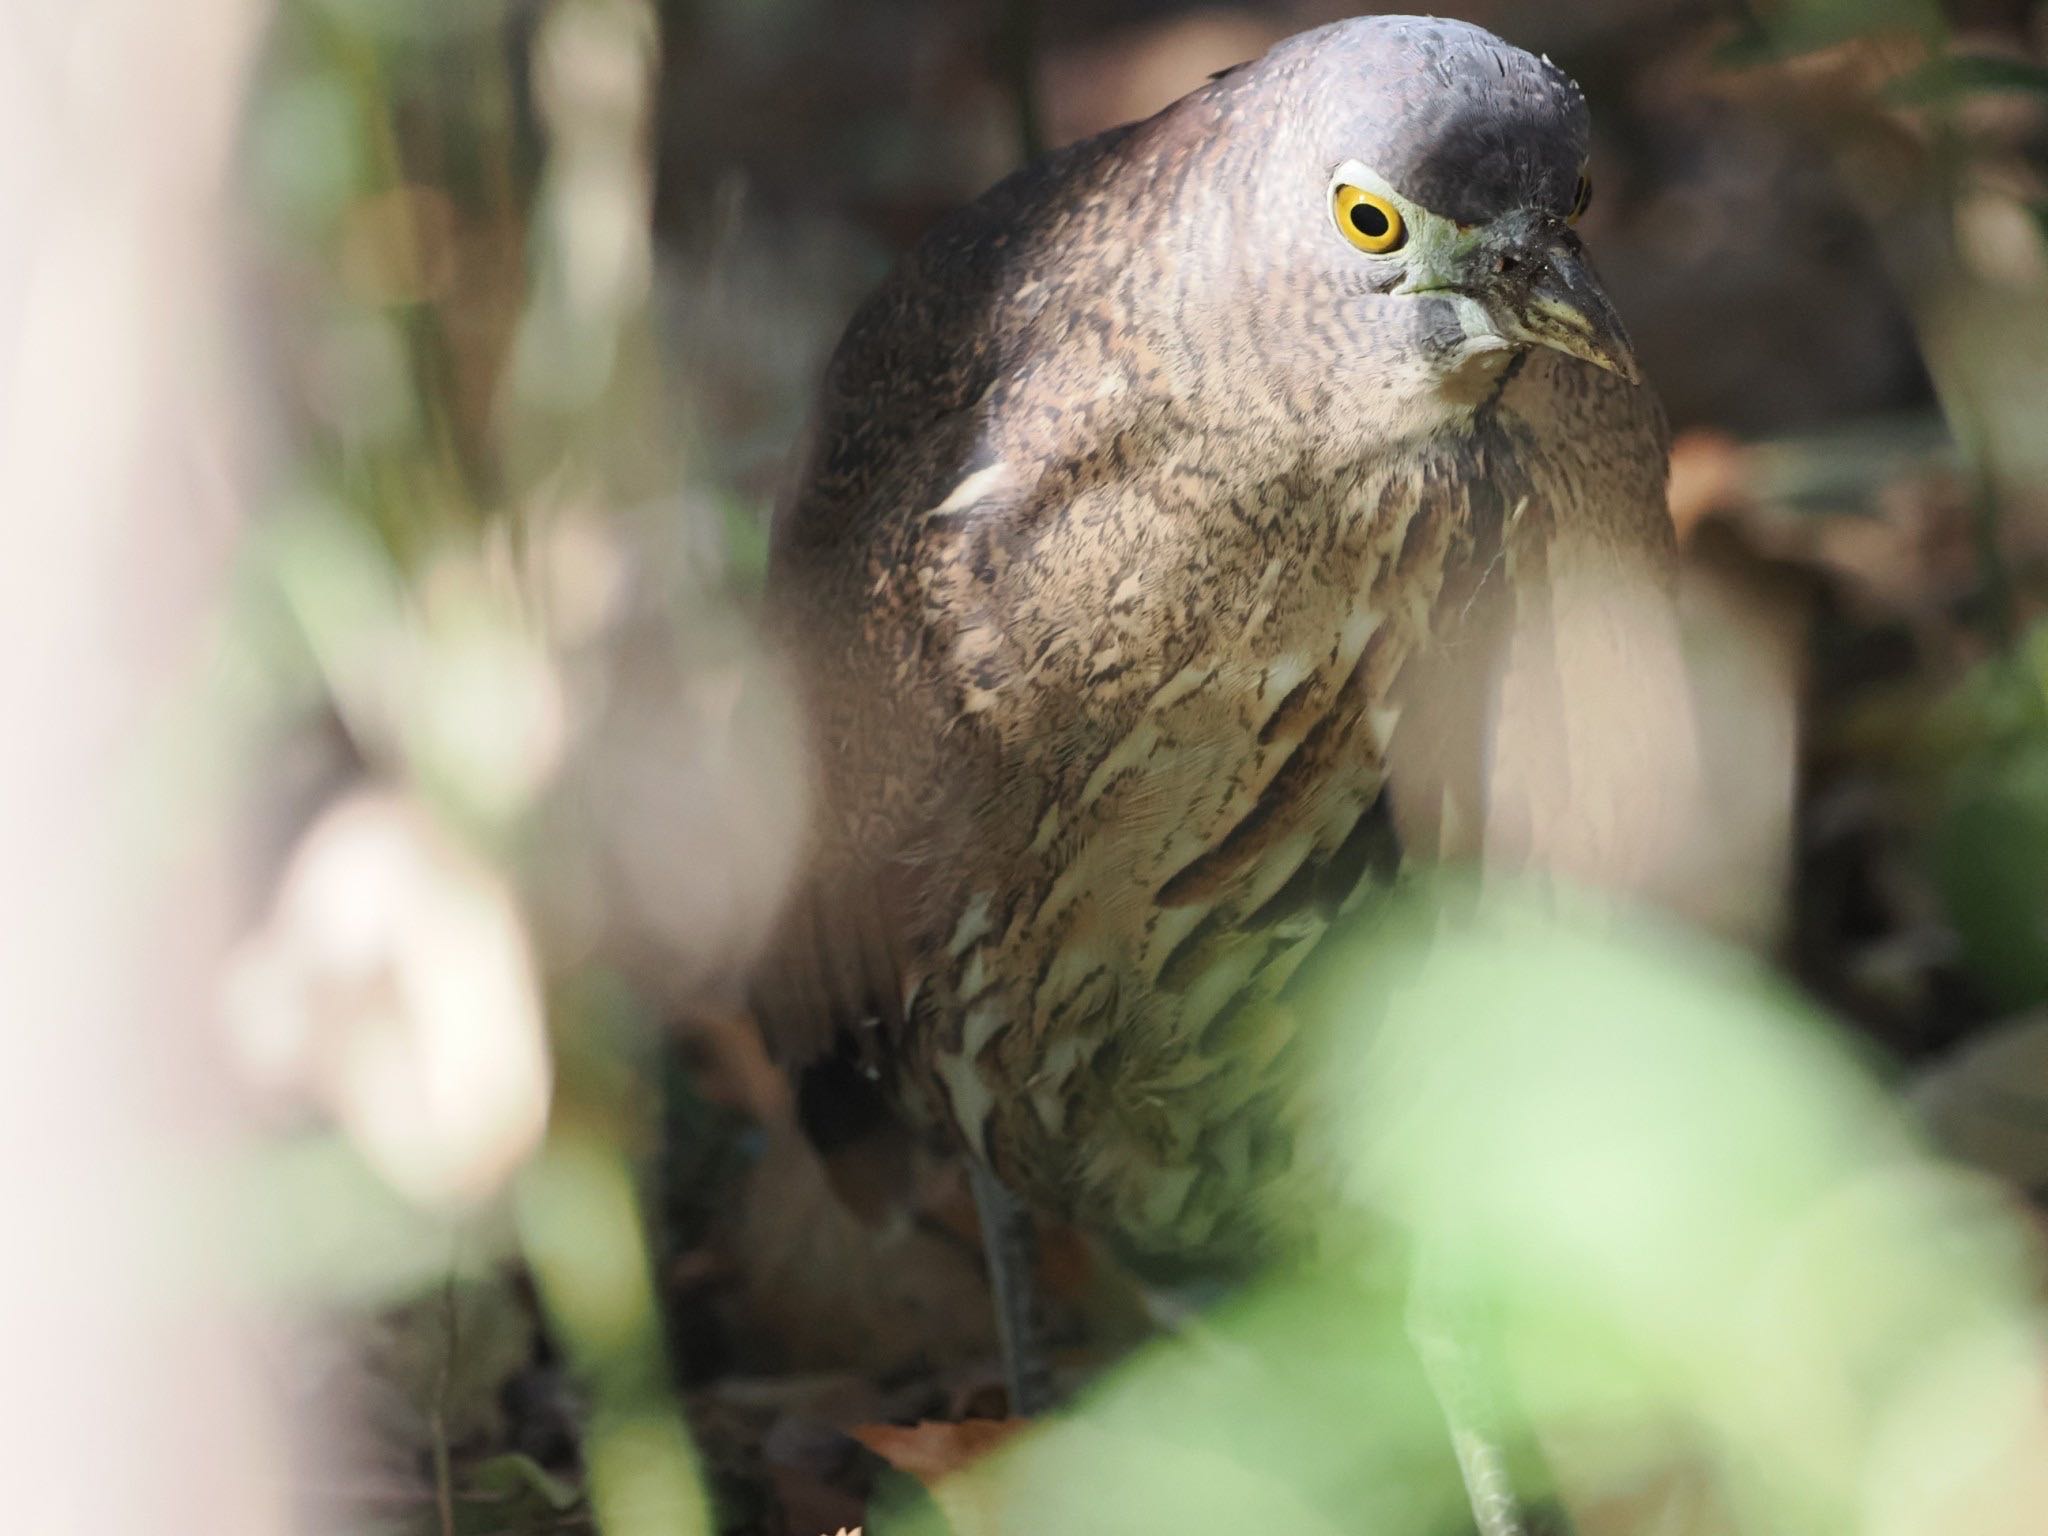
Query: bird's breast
x=1205, y=748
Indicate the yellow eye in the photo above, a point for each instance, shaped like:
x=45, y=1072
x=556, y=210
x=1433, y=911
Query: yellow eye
x=1582, y=198
x=1369, y=221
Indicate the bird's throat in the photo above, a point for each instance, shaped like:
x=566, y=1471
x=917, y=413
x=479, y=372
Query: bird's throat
x=1477, y=379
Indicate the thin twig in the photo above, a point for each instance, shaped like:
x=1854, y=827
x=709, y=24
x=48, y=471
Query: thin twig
x=444, y=1476
x=2001, y=608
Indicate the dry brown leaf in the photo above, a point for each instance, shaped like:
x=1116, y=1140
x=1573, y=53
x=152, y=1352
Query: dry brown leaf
x=934, y=1450
x=938, y=1455
x=1710, y=472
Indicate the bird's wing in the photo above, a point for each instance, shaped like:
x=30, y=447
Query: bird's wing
x=898, y=433
x=835, y=965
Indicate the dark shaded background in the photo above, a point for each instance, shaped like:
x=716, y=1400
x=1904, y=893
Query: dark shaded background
x=827, y=136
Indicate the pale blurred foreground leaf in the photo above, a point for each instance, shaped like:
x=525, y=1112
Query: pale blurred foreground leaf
x=1693, y=1207
x=1717, y=1253
x=939, y=1455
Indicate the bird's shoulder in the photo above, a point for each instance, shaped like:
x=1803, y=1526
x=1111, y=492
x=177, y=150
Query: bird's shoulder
x=1006, y=309
x=960, y=310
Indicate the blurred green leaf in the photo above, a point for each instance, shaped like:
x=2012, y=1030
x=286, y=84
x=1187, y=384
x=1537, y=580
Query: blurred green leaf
x=510, y=1475
x=580, y=1223
x=1297, y=1408
x=643, y=1476
x=1990, y=863
x=581, y=1229
x=746, y=543
x=320, y=1225
x=1689, y=1200
x=307, y=151
x=1709, y=1239
x=1946, y=78
x=414, y=20
x=1789, y=28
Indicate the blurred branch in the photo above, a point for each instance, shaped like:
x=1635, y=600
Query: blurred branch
x=444, y=1372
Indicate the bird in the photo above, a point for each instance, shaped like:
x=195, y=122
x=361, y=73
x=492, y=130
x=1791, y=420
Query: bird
x=1153, y=512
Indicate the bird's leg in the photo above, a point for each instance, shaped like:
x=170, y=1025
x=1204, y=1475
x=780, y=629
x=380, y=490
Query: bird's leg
x=1451, y=1331
x=1011, y=1244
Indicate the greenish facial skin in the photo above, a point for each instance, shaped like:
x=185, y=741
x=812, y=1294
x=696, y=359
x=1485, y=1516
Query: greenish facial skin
x=1521, y=280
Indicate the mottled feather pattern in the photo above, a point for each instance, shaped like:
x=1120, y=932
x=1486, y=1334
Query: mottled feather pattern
x=1117, y=573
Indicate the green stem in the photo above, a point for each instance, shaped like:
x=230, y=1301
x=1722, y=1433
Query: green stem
x=1017, y=62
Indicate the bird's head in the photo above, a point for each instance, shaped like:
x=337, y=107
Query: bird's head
x=1428, y=178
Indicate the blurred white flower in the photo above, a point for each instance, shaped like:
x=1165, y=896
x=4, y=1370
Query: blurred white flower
x=394, y=987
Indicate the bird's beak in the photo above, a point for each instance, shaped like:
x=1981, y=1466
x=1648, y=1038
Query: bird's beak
x=1533, y=277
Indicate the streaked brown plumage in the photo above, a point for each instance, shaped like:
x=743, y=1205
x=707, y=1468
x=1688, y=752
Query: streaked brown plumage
x=1147, y=523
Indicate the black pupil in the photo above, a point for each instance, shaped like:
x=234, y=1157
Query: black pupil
x=1369, y=221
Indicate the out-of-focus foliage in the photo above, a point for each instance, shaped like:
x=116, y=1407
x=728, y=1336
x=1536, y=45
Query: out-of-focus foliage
x=1721, y=1265
x=538, y=338
x=1989, y=845
x=1700, y=1210
x=482, y=569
